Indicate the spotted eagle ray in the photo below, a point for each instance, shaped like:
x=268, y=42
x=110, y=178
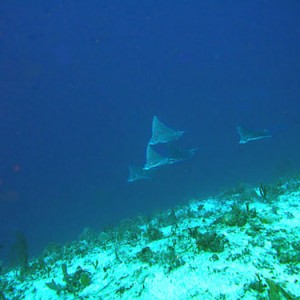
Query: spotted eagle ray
x=247, y=135
x=163, y=134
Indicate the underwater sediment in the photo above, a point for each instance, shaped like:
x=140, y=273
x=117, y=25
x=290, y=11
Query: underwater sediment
x=240, y=244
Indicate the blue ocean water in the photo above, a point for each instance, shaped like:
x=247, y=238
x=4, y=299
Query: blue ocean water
x=81, y=81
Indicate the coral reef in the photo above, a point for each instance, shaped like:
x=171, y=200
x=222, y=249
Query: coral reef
x=246, y=239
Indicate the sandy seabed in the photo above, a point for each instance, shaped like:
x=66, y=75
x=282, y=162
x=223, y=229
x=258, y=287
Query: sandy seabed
x=241, y=244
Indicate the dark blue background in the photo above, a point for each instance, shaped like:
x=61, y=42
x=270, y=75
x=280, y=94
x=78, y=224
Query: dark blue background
x=80, y=82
